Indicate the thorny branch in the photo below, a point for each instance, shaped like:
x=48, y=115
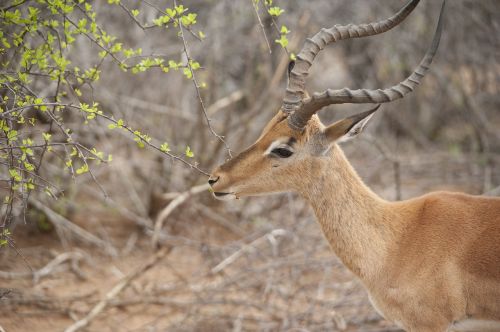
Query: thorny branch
x=110, y=119
x=274, y=24
x=197, y=86
x=261, y=25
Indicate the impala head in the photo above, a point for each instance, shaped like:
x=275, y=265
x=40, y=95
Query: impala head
x=282, y=157
x=295, y=141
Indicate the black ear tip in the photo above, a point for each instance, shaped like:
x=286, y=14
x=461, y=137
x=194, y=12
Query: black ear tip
x=360, y=116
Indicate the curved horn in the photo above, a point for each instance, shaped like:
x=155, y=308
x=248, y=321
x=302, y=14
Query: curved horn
x=311, y=105
x=296, y=84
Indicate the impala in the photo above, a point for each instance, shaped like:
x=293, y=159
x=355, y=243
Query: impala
x=430, y=263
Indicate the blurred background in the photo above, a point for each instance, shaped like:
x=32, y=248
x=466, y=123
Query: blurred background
x=256, y=264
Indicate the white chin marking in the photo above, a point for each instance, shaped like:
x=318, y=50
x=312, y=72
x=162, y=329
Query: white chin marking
x=226, y=197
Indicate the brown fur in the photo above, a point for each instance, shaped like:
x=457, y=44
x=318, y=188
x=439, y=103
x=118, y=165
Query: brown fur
x=426, y=262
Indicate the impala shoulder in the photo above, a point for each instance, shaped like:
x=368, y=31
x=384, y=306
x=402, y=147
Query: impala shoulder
x=437, y=208
x=461, y=202
x=434, y=203
x=447, y=200
x=443, y=200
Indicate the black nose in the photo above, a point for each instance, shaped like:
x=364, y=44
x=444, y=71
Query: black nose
x=211, y=181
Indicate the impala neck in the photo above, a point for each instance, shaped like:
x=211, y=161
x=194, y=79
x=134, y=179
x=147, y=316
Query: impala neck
x=353, y=218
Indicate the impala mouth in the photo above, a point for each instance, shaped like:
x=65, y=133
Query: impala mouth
x=224, y=196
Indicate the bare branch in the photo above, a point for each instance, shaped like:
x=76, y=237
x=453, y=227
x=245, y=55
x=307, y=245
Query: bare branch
x=64, y=224
x=181, y=198
x=197, y=86
x=256, y=10
x=117, y=289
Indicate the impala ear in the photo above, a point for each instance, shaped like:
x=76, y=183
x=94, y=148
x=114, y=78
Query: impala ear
x=345, y=129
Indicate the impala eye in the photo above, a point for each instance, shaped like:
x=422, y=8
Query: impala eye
x=282, y=152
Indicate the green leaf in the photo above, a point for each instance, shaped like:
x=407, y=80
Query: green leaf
x=116, y=47
x=82, y=24
x=189, y=19
x=171, y=12
x=162, y=20
x=12, y=136
x=187, y=72
x=188, y=152
x=30, y=185
x=173, y=65
x=283, y=41
x=15, y=175
x=46, y=137
x=179, y=9
x=128, y=52
x=164, y=147
x=134, y=12
x=39, y=101
x=194, y=65
x=275, y=11
x=83, y=169
x=28, y=166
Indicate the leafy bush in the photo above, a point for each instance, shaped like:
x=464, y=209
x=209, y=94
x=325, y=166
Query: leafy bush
x=42, y=88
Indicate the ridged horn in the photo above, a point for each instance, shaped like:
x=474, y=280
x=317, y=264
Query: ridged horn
x=298, y=119
x=296, y=84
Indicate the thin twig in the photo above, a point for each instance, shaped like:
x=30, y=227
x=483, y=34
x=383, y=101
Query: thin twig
x=117, y=289
x=168, y=153
x=275, y=24
x=197, y=87
x=44, y=271
x=163, y=215
x=139, y=24
x=63, y=223
x=225, y=102
x=256, y=9
x=79, y=150
x=246, y=248
x=171, y=18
